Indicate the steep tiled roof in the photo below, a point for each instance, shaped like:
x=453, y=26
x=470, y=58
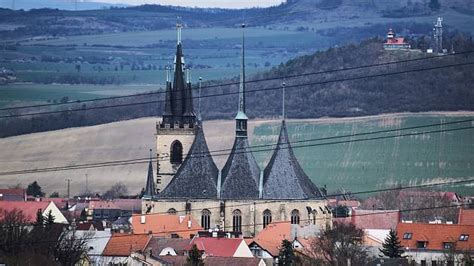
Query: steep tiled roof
x=157, y=244
x=283, y=177
x=466, y=216
x=165, y=225
x=241, y=173
x=436, y=235
x=217, y=246
x=375, y=219
x=271, y=237
x=197, y=176
x=122, y=245
x=150, y=182
x=29, y=208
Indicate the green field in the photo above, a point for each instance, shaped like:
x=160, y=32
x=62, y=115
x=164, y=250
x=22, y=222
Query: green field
x=361, y=166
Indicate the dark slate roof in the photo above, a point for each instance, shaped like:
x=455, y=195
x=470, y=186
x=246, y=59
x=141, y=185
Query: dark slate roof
x=241, y=173
x=283, y=177
x=150, y=182
x=197, y=176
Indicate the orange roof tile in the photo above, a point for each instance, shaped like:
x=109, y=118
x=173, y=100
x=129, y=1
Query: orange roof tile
x=165, y=225
x=271, y=237
x=29, y=208
x=375, y=219
x=436, y=235
x=217, y=246
x=122, y=245
x=466, y=216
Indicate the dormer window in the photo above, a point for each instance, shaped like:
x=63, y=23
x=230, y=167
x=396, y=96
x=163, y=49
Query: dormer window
x=407, y=236
x=464, y=237
x=421, y=244
x=448, y=245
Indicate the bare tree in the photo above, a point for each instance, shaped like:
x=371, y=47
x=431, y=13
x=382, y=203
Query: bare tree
x=119, y=189
x=71, y=246
x=339, y=245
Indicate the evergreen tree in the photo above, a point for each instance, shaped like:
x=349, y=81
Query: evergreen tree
x=83, y=215
x=34, y=190
x=39, y=218
x=286, y=255
x=194, y=257
x=391, y=246
x=50, y=218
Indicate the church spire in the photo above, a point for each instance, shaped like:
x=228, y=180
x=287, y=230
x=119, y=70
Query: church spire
x=283, y=87
x=241, y=118
x=150, y=182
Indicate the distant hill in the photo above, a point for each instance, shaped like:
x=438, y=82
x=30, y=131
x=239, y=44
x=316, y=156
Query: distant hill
x=56, y=4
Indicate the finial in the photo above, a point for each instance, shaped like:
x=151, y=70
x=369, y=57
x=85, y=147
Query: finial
x=188, y=75
x=283, y=86
x=167, y=70
x=199, y=99
x=179, y=26
x=151, y=154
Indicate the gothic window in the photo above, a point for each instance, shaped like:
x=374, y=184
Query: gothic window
x=295, y=216
x=206, y=219
x=176, y=156
x=172, y=211
x=237, y=221
x=267, y=217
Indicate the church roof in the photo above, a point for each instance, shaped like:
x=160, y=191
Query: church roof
x=241, y=173
x=283, y=177
x=150, y=182
x=197, y=176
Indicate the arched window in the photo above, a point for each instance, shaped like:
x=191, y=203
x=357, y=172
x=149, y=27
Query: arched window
x=237, y=221
x=295, y=216
x=267, y=217
x=176, y=152
x=172, y=211
x=206, y=219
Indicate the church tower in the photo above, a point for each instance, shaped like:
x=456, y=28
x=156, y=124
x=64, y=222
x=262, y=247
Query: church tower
x=177, y=129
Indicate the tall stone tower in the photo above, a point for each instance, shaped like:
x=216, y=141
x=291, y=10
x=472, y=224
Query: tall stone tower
x=177, y=129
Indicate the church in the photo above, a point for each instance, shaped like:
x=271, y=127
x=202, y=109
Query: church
x=240, y=197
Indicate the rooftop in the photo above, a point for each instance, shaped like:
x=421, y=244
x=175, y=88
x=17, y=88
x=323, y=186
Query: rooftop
x=375, y=219
x=122, y=245
x=466, y=216
x=28, y=208
x=217, y=246
x=164, y=225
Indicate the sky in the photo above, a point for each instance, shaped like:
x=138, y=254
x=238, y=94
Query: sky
x=199, y=3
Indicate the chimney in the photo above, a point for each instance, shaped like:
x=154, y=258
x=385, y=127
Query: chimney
x=181, y=218
x=142, y=219
x=189, y=224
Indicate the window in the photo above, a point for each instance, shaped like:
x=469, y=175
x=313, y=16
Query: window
x=267, y=217
x=448, y=245
x=206, y=219
x=176, y=152
x=172, y=211
x=464, y=237
x=295, y=217
x=407, y=235
x=237, y=221
x=420, y=244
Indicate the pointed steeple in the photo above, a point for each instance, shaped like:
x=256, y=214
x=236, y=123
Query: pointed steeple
x=178, y=99
x=283, y=177
x=150, y=182
x=197, y=177
x=240, y=175
x=241, y=118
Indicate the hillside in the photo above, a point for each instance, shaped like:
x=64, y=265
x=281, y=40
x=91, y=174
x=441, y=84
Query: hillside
x=352, y=166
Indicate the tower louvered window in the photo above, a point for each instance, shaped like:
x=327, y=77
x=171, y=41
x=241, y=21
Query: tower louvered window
x=267, y=218
x=176, y=156
x=295, y=216
x=206, y=219
x=237, y=221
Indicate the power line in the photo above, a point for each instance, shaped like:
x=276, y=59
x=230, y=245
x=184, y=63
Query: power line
x=146, y=160
x=236, y=83
x=248, y=91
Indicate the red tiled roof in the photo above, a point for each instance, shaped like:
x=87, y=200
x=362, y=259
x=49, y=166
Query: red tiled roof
x=436, y=235
x=375, y=219
x=216, y=246
x=122, y=245
x=466, y=216
x=29, y=208
x=271, y=237
x=61, y=203
x=102, y=204
x=164, y=225
x=231, y=261
x=13, y=191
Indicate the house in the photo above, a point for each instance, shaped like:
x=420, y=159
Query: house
x=104, y=210
x=433, y=244
x=221, y=247
x=466, y=216
x=165, y=225
x=211, y=261
x=90, y=226
x=375, y=219
x=13, y=194
x=395, y=43
x=159, y=246
x=128, y=206
x=31, y=208
x=120, y=247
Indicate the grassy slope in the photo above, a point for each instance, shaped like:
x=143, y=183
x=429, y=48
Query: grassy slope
x=354, y=167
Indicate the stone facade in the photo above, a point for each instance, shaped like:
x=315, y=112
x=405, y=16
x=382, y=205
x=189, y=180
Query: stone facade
x=251, y=211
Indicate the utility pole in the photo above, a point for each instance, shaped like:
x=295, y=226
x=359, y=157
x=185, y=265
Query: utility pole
x=68, y=187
